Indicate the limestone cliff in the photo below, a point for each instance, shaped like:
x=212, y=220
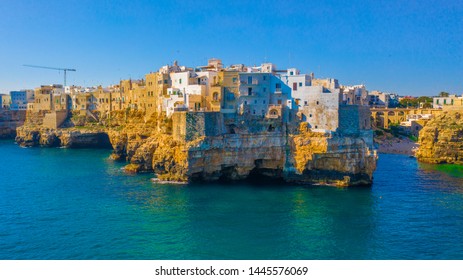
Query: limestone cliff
x=9, y=121
x=209, y=146
x=441, y=140
x=309, y=158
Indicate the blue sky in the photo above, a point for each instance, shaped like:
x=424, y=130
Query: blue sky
x=407, y=47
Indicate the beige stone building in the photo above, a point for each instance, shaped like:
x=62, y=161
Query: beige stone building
x=5, y=101
x=44, y=97
x=450, y=102
x=104, y=99
x=230, y=90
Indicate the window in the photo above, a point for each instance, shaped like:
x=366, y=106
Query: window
x=279, y=102
x=445, y=101
x=291, y=73
x=278, y=86
x=249, y=91
x=300, y=84
x=265, y=89
x=305, y=102
x=245, y=102
x=310, y=115
x=234, y=80
x=317, y=102
x=265, y=78
x=263, y=102
x=253, y=112
x=294, y=86
x=180, y=81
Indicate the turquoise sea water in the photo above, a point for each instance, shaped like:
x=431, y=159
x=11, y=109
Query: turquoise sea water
x=78, y=204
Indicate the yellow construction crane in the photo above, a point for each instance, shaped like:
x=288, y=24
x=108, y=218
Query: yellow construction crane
x=52, y=68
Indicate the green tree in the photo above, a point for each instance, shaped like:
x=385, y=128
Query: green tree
x=426, y=101
x=408, y=102
x=414, y=102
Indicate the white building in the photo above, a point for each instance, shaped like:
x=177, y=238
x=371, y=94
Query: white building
x=174, y=101
x=355, y=95
x=300, y=86
x=451, y=100
x=254, y=93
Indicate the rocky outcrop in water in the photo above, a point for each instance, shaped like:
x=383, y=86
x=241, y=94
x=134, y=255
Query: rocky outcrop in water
x=441, y=140
x=206, y=147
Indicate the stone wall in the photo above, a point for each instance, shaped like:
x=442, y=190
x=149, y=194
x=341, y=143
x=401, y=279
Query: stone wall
x=54, y=119
x=322, y=109
x=353, y=119
x=187, y=126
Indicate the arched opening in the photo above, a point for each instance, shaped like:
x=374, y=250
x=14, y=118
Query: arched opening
x=231, y=129
x=401, y=115
x=215, y=96
x=379, y=120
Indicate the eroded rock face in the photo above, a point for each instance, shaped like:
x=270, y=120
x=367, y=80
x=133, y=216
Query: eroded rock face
x=9, y=121
x=68, y=138
x=292, y=154
x=441, y=140
x=303, y=157
x=332, y=159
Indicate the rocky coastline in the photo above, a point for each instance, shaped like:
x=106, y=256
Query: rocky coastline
x=397, y=145
x=441, y=140
x=147, y=144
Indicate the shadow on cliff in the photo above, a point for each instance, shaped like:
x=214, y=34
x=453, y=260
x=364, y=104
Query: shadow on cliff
x=95, y=141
